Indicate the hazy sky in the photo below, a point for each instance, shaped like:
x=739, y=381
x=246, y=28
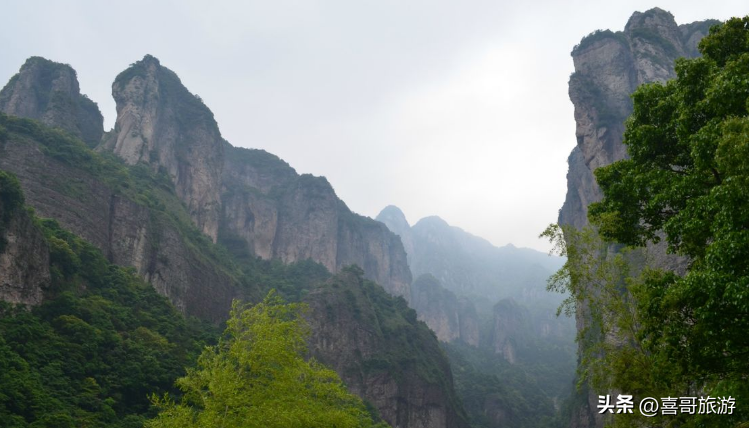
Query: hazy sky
x=449, y=108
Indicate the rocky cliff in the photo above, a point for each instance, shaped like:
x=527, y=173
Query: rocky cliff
x=608, y=68
x=511, y=324
x=24, y=255
x=278, y=214
x=160, y=123
x=138, y=213
x=383, y=353
x=450, y=318
x=49, y=92
x=134, y=220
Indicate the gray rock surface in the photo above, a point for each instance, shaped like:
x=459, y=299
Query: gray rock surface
x=280, y=214
x=450, y=318
x=49, y=92
x=130, y=234
x=160, y=123
x=24, y=257
x=609, y=66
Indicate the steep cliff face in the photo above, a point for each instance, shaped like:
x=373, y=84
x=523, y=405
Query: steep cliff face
x=48, y=91
x=160, y=123
x=383, y=353
x=511, y=324
x=276, y=213
x=608, y=68
x=136, y=216
x=450, y=318
x=96, y=200
x=24, y=255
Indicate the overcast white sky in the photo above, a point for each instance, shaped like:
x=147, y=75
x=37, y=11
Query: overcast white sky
x=449, y=108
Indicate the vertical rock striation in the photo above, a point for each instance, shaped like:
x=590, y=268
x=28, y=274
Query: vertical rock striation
x=272, y=212
x=24, y=255
x=48, y=91
x=129, y=233
x=160, y=123
x=510, y=324
x=450, y=318
x=609, y=66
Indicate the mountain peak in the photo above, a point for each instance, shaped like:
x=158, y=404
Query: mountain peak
x=393, y=214
x=48, y=91
x=652, y=18
x=162, y=124
x=432, y=221
x=150, y=59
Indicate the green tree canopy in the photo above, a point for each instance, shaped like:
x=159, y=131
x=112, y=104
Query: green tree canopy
x=687, y=178
x=257, y=376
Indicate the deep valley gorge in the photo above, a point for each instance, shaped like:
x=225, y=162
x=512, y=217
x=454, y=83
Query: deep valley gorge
x=154, y=273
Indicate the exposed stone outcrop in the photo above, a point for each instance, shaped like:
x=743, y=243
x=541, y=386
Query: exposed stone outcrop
x=609, y=66
x=450, y=318
x=280, y=214
x=160, y=123
x=276, y=212
x=510, y=325
x=24, y=255
x=382, y=353
x=128, y=233
x=374, y=341
x=49, y=92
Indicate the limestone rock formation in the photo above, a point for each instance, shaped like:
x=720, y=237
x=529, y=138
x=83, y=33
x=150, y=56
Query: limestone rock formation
x=511, y=325
x=275, y=213
x=49, y=92
x=160, y=123
x=450, y=318
x=609, y=66
x=24, y=255
x=129, y=233
x=137, y=216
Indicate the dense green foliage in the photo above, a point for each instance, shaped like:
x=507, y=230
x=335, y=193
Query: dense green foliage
x=496, y=393
x=407, y=348
x=688, y=175
x=257, y=376
x=596, y=36
x=91, y=355
x=686, y=179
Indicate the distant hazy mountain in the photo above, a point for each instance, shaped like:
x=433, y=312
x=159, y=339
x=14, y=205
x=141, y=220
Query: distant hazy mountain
x=489, y=307
x=471, y=266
